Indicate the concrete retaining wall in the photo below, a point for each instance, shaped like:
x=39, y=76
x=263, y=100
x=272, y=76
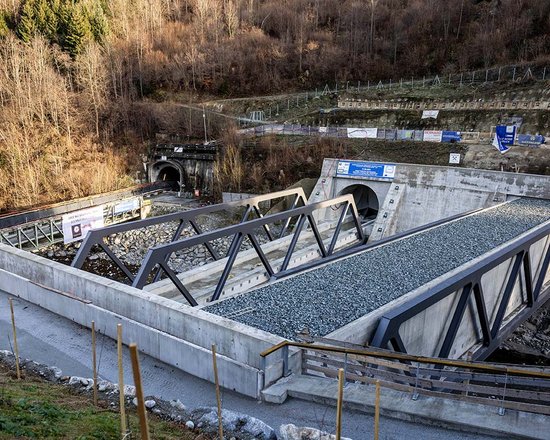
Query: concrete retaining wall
x=174, y=333
x=421, y=194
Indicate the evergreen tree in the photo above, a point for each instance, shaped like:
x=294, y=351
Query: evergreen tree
x=46, y=18
x=98, y=21
x=75, y=27
x=26, y=28
x=4, y=28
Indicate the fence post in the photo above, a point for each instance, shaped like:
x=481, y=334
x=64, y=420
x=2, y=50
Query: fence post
x=358, y=85
x=339, y=404
x=284, y=355
x=514, y=74
x=423, y=81
x=94, y=363
x=499, y=70
x=15, y=347
x=218, y=398
x=461, y=76
x=123, y=427
x=486, y=75
x=377, y=410
x=544, y=74
x=502, y=410
x=143, y=425
x=415, y=393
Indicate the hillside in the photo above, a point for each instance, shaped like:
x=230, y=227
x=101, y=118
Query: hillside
x=84, y=84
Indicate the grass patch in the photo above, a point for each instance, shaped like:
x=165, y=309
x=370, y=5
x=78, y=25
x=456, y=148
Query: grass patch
x=35, y=409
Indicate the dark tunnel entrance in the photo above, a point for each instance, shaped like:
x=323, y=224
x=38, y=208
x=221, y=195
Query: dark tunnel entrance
x=365, y=199
x=171, y=176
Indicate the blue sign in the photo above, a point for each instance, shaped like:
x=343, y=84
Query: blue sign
x=531, y=140
x=506, y=134
x=362, y=170
x=451, y=136
x=504, y=137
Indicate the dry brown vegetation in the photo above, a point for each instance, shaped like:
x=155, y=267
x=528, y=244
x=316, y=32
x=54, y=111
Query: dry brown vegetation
x=84, y=84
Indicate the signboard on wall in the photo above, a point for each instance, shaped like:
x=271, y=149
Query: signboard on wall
x=76, y=224
x=363, y=133
x=454, y=158
x=531, y=140
x=433, y=135
x=126, y=205
x=433, y=114
x=365, y=170
x=504, y=137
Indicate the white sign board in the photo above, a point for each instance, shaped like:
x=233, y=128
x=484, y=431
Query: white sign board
x=433, y=135
x=178, y=149
x=77, y=224
x=322, y=129
x=126, y=205
x=454, y=158
x=426, y=114
x=363, y=133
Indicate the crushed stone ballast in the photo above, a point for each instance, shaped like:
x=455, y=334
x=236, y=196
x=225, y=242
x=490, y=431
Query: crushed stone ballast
x=329, y=297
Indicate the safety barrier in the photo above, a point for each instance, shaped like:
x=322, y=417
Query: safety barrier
x=503, y=386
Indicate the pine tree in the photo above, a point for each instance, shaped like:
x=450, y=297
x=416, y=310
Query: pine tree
x=26, y=28
x=4, y=27
x=76, y=29
x=46, y=18
x=98, y=21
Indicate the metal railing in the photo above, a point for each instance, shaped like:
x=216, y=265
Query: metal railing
x=469, y=286
x=503, y=386
x=97, y=237
x=158, y=256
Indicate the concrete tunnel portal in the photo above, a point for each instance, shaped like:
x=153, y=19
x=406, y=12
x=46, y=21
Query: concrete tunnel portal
x=366, y=200
x=168, y=172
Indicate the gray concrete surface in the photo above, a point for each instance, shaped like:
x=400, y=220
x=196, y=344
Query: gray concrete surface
x=54, y=340
x=441, y=412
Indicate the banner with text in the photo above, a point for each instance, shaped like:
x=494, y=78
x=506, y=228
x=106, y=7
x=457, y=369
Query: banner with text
x=363, y=133
x=76, y=225
x=430, y=114
x=365, y=170
x=432, y=135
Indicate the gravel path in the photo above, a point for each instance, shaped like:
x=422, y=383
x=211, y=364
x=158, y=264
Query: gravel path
x=334, y=295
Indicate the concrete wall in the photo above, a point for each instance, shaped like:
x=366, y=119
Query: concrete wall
x=423, y=334
x=174, y=333
x=421, y=194
x=194, y=173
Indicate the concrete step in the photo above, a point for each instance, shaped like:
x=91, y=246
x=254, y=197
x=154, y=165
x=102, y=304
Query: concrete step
x=447, y=413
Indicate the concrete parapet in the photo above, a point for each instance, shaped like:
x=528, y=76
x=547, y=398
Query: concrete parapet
x=174, y=333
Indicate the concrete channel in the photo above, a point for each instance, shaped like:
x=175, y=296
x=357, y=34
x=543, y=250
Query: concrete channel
x=345, y=298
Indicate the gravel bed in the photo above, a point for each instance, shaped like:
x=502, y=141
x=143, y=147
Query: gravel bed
x=327, y=298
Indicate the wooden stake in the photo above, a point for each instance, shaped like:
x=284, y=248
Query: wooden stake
x=94, y=363
x=377, y=411
x=220, y=419
x=15, y=347
x=144, y=429
x=339, y=403
x=123, y=428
